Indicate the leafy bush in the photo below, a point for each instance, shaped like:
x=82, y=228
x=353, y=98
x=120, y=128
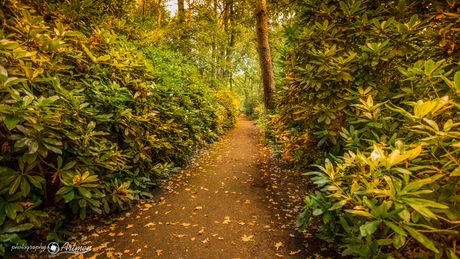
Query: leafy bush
x=400, y=188
x=339, y=52
x=90, y=117
x=373, y=87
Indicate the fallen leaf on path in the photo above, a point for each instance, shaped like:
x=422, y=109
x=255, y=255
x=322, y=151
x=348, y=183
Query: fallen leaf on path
x=90, y=227
x=133, y=235
x=120, y=234
x=205, y=241
x=138, y=250
x=248, y=238
x=111, y=234
x=179, y=236
x=278, y=245
x=109, y=254
x=296, y=252
x=192, y=238
x=241, y=223
x=185, y=224
x=133, y=240
x=130, y=226
x=97, y=248
x=198, y=208
x=151, y=224
x=213, y=235
x=151, y=229
x=159, y=252
x=126, y=251
x=201, y=231
x=279, y=255
x=291, y=235
x=227, y=220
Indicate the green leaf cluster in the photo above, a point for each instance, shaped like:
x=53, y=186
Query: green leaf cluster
x=369, y=92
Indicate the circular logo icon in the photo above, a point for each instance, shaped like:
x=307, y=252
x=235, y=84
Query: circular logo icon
x=53, y=248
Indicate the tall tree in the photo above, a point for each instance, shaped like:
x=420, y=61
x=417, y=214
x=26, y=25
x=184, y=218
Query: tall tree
x=230, y=45
x=159, y=14
x=263, y=48
x=181, y=16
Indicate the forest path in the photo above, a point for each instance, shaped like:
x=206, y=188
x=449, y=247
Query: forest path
x=207, y=210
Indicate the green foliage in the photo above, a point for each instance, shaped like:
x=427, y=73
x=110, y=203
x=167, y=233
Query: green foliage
x=398, y=188
x=91, y=117
x=372, y=86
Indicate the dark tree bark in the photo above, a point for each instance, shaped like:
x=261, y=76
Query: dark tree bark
x=231, y=44
x=263, y=48
x=180, y=10
x=181, y=16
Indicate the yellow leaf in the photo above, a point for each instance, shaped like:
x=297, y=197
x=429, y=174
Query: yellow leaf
x=248, y=238
x=159, y=252
x=279, y=255
x=293, y=253
x=112, y=234
x=120, y=234
x=126, y=251
x=129, y=226
x=278, y=245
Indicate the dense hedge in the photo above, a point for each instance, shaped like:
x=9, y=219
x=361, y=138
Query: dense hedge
x=90, y=116
x=370, y=92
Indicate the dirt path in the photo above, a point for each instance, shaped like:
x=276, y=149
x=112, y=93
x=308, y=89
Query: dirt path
x=221, y=207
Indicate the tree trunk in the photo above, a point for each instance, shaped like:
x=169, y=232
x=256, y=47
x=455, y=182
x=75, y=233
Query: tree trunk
x=181, y=16
x=180, y=10
x=159, y=14
x=231, y=44
x=263, y=48
x=143, y=7
x=213, y=54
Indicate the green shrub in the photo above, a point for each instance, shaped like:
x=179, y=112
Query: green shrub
x=372, y=86
x=339, y=52
x=378, y=196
